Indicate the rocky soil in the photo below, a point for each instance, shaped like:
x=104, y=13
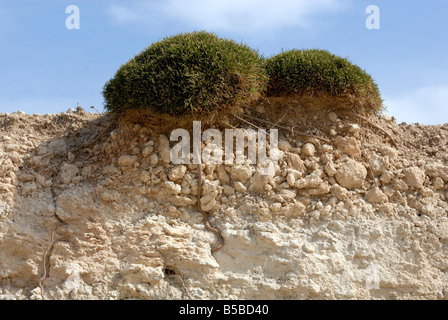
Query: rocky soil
x=357, y=217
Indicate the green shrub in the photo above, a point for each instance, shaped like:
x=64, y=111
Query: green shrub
x=191, y=73
x=314, y=71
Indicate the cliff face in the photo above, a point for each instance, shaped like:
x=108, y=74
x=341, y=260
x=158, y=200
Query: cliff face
x=358, y=217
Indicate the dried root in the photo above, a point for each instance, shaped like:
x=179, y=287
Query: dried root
x=44, y=260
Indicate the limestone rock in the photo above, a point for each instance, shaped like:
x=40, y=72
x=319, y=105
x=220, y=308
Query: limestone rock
x=312, y=180
x=222, y=174
x=333, y=116
x=324, y=188
x=414, y=177
x=293, y=176
x=295, y=162
x=340, y=192
x=284, y=145
x=349, y=146
x=68, y=172
x=127, y=161
x=351, y=175
x=375, y=195
x=153, y=159
x=172, y=188
x=438, y=183
x=330, y=169
x=163, y=148
x=437, y=170
x=177, y=173
x=241, y=173
x=240, y=187
x=309, y=150
x=258, y=182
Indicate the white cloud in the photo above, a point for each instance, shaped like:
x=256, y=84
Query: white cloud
x=229, y=15
x=428, y=105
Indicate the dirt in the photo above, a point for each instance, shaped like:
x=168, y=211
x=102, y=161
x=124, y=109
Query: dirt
x=357, y=209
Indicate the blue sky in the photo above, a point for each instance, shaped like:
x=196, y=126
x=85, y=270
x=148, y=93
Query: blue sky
x=47, y=68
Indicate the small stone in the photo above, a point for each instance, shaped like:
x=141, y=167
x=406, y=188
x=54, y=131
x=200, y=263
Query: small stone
x=177, y=173
x=426, y=192
x=333, y=117
x=70, y=157
x=376, y=196
x=354, y=128
x=284, y=145
x=308, y=248
x=260, y=109
x=435, y=170
x=414, y=177
x=330, y=169
x=145, y=177
x=228, y=190
x=153, y=160
x=400, y=185
x=309, y=149
x=127, y=161
x=340, y=192
x=109, y=196
x=386, y=177
x=314, y=288
x=288, y=194
x=172, y=187
x=292, y=177
x=324, y=188
x=147, y=151
x=240, y=187
x=349, y=146
x=68, y=172
x=312, y=180
x=438, y=183
x=295, y=162
x=163, y=147
x=241, y=173
x=222, y=174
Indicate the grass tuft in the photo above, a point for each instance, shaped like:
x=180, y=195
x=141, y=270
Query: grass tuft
x=313, y=71
x=188, y=74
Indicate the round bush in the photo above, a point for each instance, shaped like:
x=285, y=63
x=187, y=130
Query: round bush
x=314, y=71
x=191, y=73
